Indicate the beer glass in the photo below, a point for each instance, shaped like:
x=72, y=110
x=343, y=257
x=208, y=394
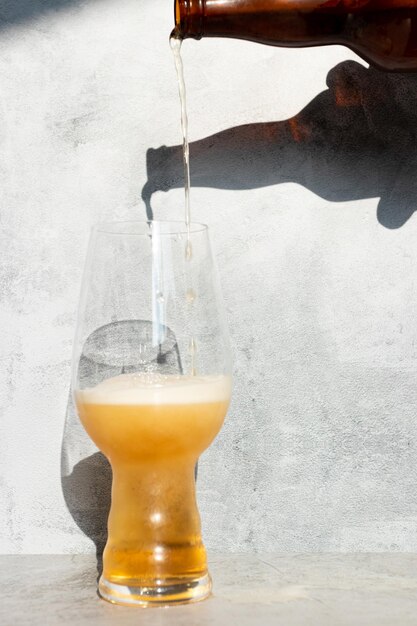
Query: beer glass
x=152, y=384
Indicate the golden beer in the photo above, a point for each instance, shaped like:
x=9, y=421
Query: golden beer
x=153, y=428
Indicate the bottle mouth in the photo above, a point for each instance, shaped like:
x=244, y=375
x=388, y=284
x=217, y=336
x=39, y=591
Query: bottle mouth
x=188, y=19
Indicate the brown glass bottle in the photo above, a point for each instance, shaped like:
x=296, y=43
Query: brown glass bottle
x=383, y=32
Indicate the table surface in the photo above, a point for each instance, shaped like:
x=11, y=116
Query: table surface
x=262, y=590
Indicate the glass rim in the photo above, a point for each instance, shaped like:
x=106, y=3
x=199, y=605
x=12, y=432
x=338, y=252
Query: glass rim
x=140, y=228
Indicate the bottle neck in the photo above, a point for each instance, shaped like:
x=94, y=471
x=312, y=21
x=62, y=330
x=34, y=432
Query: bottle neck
x=275, y=22
x=189, y=16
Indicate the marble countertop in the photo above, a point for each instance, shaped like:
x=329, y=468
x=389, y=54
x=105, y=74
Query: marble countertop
x=262, y=590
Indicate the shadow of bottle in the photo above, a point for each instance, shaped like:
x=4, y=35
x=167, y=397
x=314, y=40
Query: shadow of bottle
x=86, y=475
x=355, y=140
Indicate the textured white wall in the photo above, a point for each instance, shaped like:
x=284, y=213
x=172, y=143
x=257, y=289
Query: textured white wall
x=318, y=452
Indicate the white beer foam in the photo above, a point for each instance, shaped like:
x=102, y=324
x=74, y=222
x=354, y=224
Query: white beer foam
x=148, y=388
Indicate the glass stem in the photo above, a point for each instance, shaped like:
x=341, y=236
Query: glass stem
x=154, y=524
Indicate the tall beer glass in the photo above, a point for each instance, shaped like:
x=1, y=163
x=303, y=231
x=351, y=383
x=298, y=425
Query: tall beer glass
x=152, y=384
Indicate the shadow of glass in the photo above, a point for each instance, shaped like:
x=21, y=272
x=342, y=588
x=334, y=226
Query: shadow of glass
x=86, y=479
x=86, y=475
x=355, y=140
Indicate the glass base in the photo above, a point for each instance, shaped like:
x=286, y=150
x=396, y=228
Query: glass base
x=182, y=592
